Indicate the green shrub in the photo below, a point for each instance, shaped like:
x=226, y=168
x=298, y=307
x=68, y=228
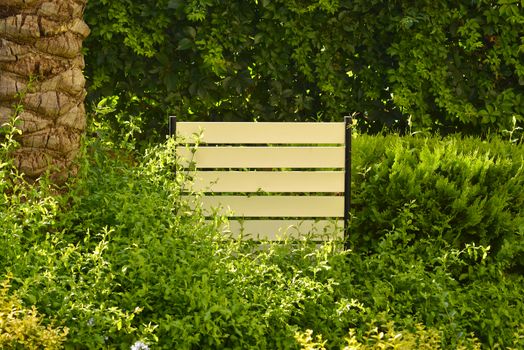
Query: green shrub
x=463, y=190
x=119, y=261
x=387, y=337
x=22, y=328
x=57, y=268
x=427, y=281
x=193, y=287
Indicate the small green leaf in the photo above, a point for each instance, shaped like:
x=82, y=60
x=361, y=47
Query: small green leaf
x=175, y=4
x=184, y=44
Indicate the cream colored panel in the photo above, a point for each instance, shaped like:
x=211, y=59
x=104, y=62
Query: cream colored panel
x=251, y=132
x=273, y=206
x=265, y=157
x=269, y=181
x=286, y=229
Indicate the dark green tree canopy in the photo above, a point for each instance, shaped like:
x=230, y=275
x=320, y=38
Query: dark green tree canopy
x=439, y=65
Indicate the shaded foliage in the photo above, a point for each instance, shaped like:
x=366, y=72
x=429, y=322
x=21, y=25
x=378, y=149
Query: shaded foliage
x=448, y=65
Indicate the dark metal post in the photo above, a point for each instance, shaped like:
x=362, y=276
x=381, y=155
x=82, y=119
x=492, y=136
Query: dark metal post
x=172, y=133
x=172, y=125
x=348, y=122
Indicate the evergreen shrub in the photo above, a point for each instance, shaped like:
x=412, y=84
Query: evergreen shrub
x=462, y=190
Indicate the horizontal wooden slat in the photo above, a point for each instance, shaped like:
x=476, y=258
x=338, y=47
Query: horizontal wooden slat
x=252, y=132
x=273, y=206
x=265, y=157
x=269, y=181
x=281, y=229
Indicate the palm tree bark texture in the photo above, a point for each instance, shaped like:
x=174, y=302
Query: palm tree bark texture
x=41, y=66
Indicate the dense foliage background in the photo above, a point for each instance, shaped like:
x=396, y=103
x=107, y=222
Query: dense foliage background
x=440, y=65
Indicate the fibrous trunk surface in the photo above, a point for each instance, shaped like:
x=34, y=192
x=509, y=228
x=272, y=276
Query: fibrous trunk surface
x=41, y=66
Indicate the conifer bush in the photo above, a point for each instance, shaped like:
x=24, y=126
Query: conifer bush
x=462, y=190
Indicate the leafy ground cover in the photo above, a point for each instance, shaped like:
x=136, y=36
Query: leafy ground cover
x=118, y=262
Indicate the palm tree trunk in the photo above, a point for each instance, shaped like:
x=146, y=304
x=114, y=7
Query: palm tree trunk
x=41, y=66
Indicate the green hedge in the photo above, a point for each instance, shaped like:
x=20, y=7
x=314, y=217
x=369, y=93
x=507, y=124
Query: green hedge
x=114, y=263
x=449, y=65
x=460, y=189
